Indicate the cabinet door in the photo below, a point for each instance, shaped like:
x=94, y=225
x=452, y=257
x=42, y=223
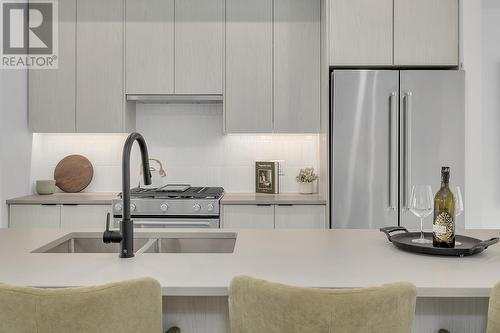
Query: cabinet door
x=361, y=32
x=248, y=216
x=426, y=32
x=300, y=216
x=84, y=216
x=34, y=216
x=199, y=38
x=150, y=46
x=297, y=66
x=248, y=88
x=99, y=66
x=52, y=91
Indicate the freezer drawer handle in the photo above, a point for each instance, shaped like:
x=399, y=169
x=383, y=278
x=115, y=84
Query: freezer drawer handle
x=393, y=172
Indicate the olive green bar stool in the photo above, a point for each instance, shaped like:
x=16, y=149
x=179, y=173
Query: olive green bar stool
x=494, y=310
x=257, y=306
x=123, y=307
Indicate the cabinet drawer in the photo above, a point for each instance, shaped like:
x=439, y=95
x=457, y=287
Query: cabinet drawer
x=34, y=216
x=300, y=217
x=248, y=216
x=84, y=216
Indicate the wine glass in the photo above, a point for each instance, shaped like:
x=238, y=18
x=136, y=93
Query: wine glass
x=459, y=202
x=421, y=205
x=459, y=205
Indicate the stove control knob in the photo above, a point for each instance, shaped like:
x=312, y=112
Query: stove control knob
x=118, y=207
x=164, y=207
x=210, y=207
x=132, y=207
x=196, y=207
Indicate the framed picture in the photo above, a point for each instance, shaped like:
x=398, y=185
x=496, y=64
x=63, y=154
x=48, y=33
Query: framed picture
x=266, y=177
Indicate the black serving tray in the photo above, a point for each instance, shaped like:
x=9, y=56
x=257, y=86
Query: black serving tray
x=468, y=246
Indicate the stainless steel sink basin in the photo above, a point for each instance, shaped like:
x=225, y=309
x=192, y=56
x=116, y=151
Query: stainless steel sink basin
x=87, y=245
x=159, y=242
x=192, y=245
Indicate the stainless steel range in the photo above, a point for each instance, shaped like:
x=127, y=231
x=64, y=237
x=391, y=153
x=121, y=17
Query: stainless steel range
x=172, y=206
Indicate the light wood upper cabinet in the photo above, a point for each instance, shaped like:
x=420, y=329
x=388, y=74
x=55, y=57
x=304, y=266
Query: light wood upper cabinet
x=393, y=32
x=149, y=46
x=248, y=98
x=361, y=32
x=86, y=93
x=272, y=66
x=100, y=98
x=426, y=32
x=199, y=46
x=51, y=101
x=297, y=66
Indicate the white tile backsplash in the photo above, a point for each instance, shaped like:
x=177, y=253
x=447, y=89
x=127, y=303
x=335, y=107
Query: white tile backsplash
x=189, y=140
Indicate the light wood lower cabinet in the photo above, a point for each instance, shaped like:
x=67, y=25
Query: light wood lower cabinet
x=299, y=217
x=248, y=216
x=84, y=216
x=274, y=216
x=34, y=216
x=58, y=216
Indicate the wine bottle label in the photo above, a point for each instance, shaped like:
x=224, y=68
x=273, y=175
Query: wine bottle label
x=444, y=226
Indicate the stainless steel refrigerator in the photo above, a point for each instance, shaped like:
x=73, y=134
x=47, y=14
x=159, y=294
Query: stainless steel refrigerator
x=391, y=129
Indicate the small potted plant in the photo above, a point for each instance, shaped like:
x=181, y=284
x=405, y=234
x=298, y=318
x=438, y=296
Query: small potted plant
x=306, y=180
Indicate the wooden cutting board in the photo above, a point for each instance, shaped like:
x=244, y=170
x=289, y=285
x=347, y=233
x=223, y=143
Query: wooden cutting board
x=73, y=173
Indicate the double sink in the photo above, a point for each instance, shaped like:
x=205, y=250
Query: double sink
x=166, y=242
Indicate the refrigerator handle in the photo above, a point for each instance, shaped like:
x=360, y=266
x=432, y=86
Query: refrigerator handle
x=407, y=149
x=393, y=153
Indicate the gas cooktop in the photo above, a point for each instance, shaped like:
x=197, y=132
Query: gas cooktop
x=177, y=191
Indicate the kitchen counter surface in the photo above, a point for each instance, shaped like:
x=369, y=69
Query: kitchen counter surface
x=272, y=199
x=310, y=258
x=84, y=198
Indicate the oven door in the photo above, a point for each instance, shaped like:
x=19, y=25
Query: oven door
x=149, y=222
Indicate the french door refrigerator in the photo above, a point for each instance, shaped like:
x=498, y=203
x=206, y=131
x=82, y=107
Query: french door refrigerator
x=391, y=129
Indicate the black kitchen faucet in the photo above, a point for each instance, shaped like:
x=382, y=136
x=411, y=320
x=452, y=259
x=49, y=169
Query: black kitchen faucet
x=126, y=234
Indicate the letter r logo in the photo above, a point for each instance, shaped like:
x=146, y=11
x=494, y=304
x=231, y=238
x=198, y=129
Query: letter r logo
x=27, y=28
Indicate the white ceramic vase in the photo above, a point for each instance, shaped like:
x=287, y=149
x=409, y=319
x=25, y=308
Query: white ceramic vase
x=306, y=188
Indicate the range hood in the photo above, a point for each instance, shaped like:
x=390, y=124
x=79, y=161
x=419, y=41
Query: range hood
x=174, y=99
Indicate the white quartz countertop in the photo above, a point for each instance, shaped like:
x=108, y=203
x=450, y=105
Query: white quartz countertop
x=105, y=198
x=83, y=198
x=272, y=199
x=309, y=258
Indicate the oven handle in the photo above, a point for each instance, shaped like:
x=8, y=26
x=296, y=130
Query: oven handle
x=173, y=224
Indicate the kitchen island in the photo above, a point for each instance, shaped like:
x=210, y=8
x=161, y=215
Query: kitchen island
x=452, y=292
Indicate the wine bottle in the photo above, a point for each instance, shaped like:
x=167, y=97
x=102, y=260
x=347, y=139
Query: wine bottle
x=443, y=228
